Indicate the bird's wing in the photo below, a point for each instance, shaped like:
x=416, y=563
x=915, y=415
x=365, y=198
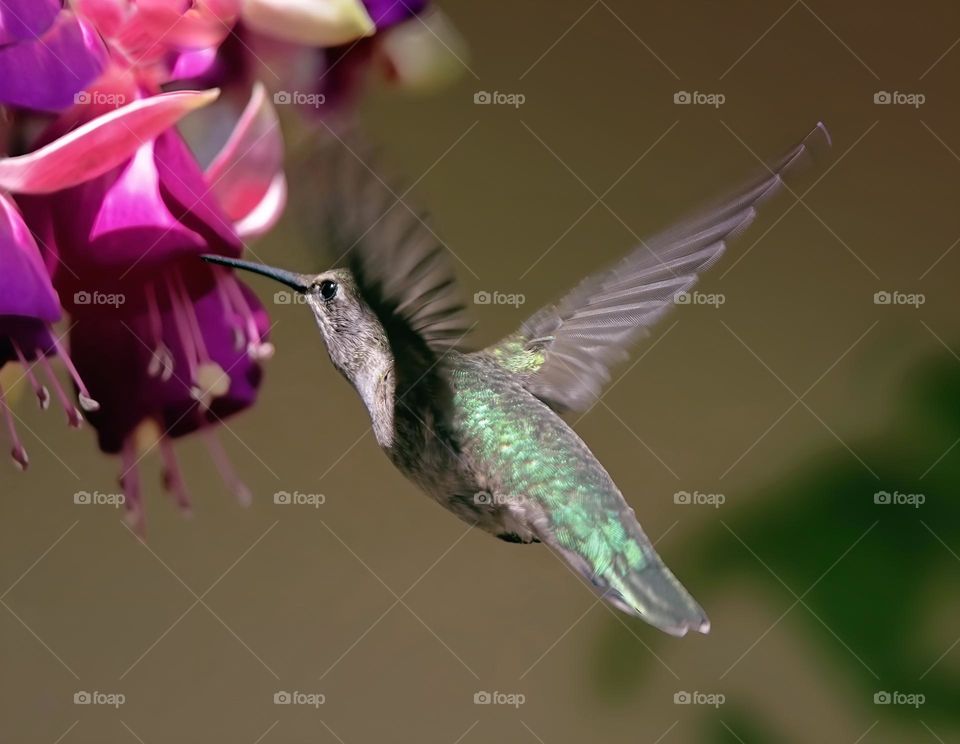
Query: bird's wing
x=402, y=268
x=566, y=350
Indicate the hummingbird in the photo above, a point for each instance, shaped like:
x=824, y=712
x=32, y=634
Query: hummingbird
x=482, y=432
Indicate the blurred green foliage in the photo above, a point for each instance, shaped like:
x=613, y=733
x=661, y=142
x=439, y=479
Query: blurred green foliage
x=880, y=596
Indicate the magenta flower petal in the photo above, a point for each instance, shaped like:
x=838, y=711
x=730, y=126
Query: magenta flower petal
x=25, y=287
x=193, y=64
x=26, y=19
x=148, y=30
x=187, y=195
x=114, y=223
x=267, y=212
x=46, y=73
x=151, y=372
x=386, y=13
x=243, y=370
x=99, y=145
x=117, y=379
x=247, y=174
x=107, y=15
x=29, y=335
x=185, y=24
x=116, y=231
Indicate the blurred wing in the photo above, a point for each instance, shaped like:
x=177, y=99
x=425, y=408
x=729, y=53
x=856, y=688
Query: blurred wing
x=401, y=266
x=566, y=350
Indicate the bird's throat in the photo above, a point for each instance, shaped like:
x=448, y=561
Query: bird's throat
x=375, y=381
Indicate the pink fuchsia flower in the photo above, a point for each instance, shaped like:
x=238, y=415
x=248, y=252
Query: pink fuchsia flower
x=154, y=41
x=29, y=305
x=172, y=345
x=184, y=364
x=47, y=54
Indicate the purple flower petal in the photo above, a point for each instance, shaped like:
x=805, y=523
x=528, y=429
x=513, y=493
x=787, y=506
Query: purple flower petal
x=98, y=145
x=31, y=336
x=25, y=287
x=386, y=13
x=118, y=230
x=132, y=387
x=46, y=73
x=26, y=19
x=187, y=195
x=192, y=64
x=247, y=174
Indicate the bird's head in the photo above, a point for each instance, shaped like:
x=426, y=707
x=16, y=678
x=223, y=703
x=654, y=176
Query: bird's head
x=350, y=329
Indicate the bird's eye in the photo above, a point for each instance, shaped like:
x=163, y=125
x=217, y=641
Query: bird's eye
x=328, y=289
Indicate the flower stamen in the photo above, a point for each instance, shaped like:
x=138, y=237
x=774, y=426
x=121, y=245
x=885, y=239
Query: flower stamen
x=17, y=451
x=209, y=380
x=161, y=361
x=87, y=403
x=74, y=417
x=236, y=323
x=227, y=473
x=40, y=390
x=257, y=348
x=130, y=483
x=173, y=480
x=183, y=331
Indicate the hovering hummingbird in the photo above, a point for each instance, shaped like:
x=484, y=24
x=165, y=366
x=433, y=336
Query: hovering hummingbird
x=481, y=432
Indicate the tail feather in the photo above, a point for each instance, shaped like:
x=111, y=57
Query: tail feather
x=644, y=588
x=654, y=595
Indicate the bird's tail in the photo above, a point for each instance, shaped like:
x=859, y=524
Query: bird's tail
x=654, y=594
x=631, y=576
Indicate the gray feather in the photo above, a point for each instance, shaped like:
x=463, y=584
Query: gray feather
x=590, y=330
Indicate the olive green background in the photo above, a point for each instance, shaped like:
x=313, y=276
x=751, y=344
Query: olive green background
x=389, y=607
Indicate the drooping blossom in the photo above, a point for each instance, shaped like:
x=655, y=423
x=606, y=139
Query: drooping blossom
x=104, y=215
x=163, y=340
x=29, y=305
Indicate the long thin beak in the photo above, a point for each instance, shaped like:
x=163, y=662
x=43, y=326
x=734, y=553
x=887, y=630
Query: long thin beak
x=300, y=282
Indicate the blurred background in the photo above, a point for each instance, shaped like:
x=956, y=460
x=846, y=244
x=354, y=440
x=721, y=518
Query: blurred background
x=813, y=426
